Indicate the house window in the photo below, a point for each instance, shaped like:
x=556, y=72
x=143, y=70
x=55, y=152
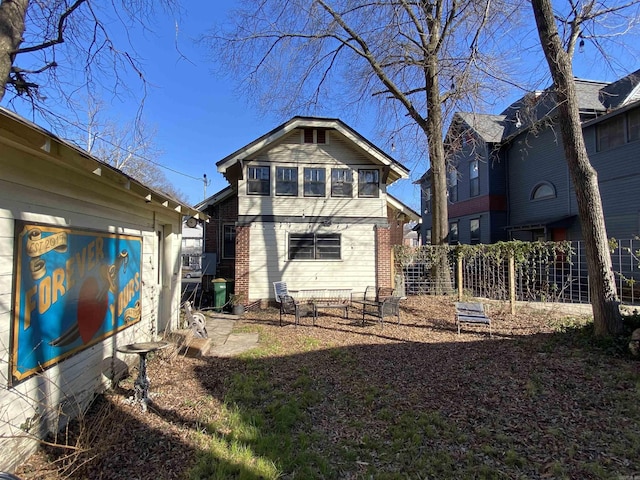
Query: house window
x=258, y=181
x=311, y=135
x=287, y=181
x=610, y=134
x=474, y=179
x=369, y=183
x=314, y=182
x=427, y=236
x=453, y=232
x=543, y=191
x=341, y=182
x=229, y=241
x=474, y=229
x=310, y=246
x=427, y=199
x=452, y=185
x=633, y=122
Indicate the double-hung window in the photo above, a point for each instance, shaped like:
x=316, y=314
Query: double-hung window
x=474, y=179
x=314, y=182
x=229, y=241
x=453, y=232
x=474, y=230
x=341, y=182
x=427, y=199
x=610, y=133
x=369, y=183
x=258, y=181
x=287, y=181
x=314, y=246
x=452, y=185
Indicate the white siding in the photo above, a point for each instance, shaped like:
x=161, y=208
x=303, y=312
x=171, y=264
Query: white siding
x=290, y=152
x=39, y=189
x=269, y=259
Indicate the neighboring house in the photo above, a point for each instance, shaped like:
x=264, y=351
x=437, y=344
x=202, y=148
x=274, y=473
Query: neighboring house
x=508, y=177
x=90, y=260
x=307, y=204
x=192, y=244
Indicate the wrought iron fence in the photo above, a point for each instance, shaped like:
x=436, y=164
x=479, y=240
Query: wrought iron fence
x=546, y=274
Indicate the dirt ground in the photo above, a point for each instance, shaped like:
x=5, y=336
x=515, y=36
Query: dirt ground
x=116, y=440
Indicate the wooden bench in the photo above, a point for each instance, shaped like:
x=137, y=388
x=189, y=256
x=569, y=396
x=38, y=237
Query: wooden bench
x=378, y=302
x=472, y=313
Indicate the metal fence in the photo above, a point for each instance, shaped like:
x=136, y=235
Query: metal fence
x=545, y=274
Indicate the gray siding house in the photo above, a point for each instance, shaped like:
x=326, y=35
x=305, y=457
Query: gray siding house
x=513, y=181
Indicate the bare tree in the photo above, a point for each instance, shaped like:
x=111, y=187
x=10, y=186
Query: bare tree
x=416, y=60
x=579, y=23
x=419, y=60
x=50, y=50
x=132, y=150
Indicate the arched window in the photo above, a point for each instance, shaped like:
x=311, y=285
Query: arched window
x=542, y=191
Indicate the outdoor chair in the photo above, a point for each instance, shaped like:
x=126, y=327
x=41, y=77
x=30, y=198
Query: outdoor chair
x=280, y=289
x=288, y=306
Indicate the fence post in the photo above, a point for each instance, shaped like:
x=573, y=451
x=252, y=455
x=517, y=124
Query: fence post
x=459, y=275
x=512, y=282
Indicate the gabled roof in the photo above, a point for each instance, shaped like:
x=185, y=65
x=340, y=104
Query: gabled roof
x=396, y=170
x=396, y=204
x=216, y=198
x=621, y=92
x=595, y=98
x=489, y=127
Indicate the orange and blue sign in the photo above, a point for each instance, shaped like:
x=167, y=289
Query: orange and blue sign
x=73, y=288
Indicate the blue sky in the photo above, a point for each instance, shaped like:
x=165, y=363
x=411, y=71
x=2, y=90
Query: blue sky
x=200, y=118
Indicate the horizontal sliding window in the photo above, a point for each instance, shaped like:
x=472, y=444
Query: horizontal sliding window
x=314, y=246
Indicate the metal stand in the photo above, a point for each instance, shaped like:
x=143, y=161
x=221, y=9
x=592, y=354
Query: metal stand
x=142, y=383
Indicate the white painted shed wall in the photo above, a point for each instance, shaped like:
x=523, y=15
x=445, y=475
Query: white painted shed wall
x=37, y=187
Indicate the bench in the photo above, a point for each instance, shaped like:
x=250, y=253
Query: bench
x=339, y=298
x=472, y=313
x=379, y=302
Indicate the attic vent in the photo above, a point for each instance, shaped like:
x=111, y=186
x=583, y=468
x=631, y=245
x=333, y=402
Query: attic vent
x=315, y=136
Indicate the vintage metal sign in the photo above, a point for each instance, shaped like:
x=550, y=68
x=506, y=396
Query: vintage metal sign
x=73, y=288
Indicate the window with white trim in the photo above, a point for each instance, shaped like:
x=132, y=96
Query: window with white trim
x=369, y=183
x=287, y=181
x=314, y=135
x=258, y=181
x=452, y=185
x=314, y=246
x=341, y=182
x=314, y=182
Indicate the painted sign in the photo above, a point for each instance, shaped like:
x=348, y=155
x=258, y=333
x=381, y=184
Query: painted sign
x=73, y=289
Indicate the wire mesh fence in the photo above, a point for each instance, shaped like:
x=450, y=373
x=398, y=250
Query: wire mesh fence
x=544, y=272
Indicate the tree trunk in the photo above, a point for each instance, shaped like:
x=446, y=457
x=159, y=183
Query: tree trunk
x=602, y=286
x=12, y=15
x=434, y=128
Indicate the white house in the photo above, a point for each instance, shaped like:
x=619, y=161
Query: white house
x=308, y=204
x=89, y=261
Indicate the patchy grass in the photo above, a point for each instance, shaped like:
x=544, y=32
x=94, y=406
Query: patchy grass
x=541, y=399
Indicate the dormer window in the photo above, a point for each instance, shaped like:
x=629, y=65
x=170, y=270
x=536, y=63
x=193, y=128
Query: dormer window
x=315, y=135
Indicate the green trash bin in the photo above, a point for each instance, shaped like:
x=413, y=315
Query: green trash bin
x=219, y=292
